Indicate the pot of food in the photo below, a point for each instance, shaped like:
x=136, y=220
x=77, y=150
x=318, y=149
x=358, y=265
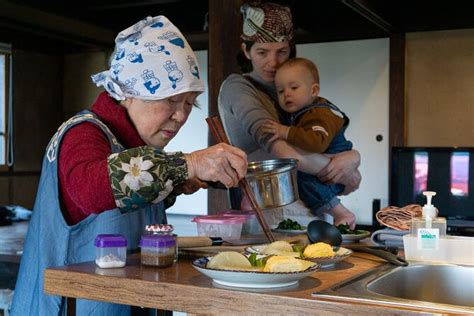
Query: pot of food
x=273, y=182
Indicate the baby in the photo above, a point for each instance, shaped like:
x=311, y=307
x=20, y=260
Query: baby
x=316, y=125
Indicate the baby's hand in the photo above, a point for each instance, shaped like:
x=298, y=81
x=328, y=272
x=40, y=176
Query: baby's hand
x=279, y=131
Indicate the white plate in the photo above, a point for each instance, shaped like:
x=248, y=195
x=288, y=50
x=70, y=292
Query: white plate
x=251, y=279
x=354, y=237
x=341, y=254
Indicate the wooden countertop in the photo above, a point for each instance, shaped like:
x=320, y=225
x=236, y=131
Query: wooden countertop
x=183, y=288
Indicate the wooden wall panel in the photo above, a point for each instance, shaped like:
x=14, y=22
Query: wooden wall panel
x=439, y=88
x=79, y=90
x=37, y=108
x=4, y=190
x=24, y=191
x=37, y=103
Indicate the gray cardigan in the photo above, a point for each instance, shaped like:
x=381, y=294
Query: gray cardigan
x=243, y=109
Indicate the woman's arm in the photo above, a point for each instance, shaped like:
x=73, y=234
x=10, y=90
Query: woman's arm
x=338, y=168
x=309, y=163
x=93, y=180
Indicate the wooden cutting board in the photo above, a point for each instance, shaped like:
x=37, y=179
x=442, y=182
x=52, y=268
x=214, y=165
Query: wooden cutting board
x=212, y=250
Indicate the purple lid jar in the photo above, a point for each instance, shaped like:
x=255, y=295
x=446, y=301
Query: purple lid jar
x=158, y=241
x=110, y=240
x=158, y=250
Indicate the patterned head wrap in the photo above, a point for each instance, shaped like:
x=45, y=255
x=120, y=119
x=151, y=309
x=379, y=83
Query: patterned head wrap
x=266, y=22
x=152, y=61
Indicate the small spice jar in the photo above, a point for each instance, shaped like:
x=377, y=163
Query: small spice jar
x=111, y=250
x=158, y=249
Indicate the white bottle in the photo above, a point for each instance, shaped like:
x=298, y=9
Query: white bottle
x=428, y=228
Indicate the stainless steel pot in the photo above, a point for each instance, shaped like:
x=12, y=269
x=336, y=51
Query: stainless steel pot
x=273, y=182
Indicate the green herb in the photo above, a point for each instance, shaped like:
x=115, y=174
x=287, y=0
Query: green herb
x=289, y=224
x=257, y=262
x=298, y=249
x=345, y=229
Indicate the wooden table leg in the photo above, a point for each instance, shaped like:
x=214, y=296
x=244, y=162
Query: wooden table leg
x=71, y=306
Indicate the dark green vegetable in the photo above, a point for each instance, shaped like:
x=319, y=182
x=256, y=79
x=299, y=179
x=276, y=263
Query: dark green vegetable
x=298, y=249
x=289, y=224
x=344, y=229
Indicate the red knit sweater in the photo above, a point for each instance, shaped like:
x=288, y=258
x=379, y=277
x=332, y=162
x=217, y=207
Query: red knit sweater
x=83, y=176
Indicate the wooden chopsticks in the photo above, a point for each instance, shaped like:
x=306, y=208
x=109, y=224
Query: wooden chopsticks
x=220, y=136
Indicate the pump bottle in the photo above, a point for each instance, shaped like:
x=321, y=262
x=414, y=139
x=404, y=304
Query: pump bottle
x=428, y=228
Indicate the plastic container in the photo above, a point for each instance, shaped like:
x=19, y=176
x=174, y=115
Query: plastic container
x=158, y=249
x=250, y=226
x=227, y=227
x=452, y=250
x=110, y=251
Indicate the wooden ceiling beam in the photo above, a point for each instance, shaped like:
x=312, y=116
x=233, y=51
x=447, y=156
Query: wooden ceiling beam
x=365, y=9
x=57, y=27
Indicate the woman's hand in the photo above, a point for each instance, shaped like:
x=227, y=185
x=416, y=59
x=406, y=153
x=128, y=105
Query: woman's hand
x=341, y=169
x=219, y=163
x=352, y=183
x=278, y=130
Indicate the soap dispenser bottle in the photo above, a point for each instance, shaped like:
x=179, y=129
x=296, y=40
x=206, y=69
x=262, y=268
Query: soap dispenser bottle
x=428, y=228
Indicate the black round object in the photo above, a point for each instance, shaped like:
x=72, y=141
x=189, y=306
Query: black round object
x=321, y=231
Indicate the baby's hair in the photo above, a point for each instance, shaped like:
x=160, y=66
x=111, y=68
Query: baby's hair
x=306, y=63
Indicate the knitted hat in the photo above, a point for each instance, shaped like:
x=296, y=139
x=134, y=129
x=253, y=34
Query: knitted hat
x=266, y=22
x=152, y=61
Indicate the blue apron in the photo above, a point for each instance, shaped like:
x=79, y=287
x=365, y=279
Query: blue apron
x=50, y=241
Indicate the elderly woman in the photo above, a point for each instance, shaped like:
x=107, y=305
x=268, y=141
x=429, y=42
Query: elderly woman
x=105, y=170
x=247, y=101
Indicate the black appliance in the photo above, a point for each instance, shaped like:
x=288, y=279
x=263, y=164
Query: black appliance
x=449, y=171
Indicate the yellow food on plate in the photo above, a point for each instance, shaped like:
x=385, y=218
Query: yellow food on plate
x=318, y=250
x=281, y=248
x=229, y=260
x=286, y=264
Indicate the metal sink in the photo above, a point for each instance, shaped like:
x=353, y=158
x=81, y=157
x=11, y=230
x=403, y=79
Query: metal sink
x=437, y=288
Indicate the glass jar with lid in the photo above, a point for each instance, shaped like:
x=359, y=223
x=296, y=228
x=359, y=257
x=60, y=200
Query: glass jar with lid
x=111, y=250
x=164, y=243
x=158, y=249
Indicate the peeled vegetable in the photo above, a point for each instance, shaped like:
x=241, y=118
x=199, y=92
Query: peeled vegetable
x=318, y=250
x=229, y=260
x=286, y=264
x=280, y=247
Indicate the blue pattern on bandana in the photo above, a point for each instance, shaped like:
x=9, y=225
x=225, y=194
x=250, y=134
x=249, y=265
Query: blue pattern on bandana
x=152, y=61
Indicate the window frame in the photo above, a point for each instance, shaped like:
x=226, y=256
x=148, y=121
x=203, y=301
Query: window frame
x=5, y=52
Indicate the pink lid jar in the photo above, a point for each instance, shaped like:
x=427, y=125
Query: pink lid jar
x=227, y=227
x=251, y=225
